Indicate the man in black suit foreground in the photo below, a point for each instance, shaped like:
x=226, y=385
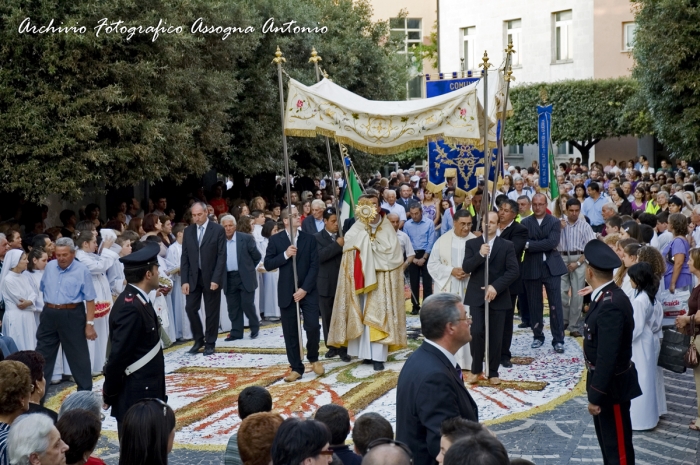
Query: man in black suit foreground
x=330, y=254
x=430, y=387
x=242, y=258
x=512, y=231
x=503, y=270
x=203, y=269
x=280, y=251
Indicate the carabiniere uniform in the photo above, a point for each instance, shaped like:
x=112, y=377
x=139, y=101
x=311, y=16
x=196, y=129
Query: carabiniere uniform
x=135, y=368
x=612, y=377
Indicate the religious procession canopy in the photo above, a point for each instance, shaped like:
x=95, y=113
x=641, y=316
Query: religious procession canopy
x=384, y=127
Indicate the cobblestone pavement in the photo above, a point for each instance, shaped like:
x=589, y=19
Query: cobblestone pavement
x=563, y=435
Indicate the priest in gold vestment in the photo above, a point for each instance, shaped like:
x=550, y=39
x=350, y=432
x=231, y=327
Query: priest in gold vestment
x=369, y=313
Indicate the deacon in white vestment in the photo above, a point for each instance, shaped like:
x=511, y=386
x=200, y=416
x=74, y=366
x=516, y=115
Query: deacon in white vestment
x=445, y=267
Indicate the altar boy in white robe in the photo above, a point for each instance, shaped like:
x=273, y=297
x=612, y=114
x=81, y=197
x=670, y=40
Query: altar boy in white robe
x=445, y=267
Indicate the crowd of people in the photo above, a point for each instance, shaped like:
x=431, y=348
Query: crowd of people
x=220, y=264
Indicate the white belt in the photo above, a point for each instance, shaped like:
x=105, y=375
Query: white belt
x=140, y=363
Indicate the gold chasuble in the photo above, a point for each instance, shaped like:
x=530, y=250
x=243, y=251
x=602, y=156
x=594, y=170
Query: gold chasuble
x=370, y=285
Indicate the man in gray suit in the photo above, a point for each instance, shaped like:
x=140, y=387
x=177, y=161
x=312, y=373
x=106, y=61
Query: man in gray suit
x=543, y=265
x=242, y=258
x=203, y=269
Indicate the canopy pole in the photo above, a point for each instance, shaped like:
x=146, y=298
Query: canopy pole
x=485, y=205
x=278, y=60
x=343, y=155
x=315, y=58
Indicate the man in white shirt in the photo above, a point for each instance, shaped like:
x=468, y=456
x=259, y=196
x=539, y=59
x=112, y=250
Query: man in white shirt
x=404, y=240
x=519, y=184
x=664, y=236
x=391, y=206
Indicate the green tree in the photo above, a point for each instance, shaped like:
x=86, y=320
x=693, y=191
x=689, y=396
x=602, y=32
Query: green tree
x=584, y=112
x=666, y=45
x=78, y=109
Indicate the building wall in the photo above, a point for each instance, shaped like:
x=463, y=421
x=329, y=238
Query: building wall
x=425, y=10
x=610, y=59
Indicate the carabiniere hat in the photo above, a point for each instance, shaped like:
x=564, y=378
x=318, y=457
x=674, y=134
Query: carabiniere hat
x=600, y=256
x=147, y=255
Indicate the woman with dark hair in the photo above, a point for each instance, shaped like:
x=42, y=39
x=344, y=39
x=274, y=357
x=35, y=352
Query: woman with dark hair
x=297, y=440
x=648, y=314
x=35, y=362
x=92, y=214
x=245, y=224
x=152, y=227
x=580, y=193
x=148, y=432
x=305, y=209
x=166, y=230
x=630, y=230
x=36, y=262
x=617, y=195
x=80, y=430
x=271, y=308
x=136, y=225
x=639, y=203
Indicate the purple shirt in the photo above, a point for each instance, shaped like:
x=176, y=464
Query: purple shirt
x=677, y=246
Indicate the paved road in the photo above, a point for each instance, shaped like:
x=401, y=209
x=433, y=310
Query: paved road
x=564, y=435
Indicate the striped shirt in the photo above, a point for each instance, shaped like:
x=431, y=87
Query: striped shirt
x=4, y=456
x=574, y=237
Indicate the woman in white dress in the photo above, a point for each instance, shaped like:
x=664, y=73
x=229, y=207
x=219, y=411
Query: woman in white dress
x=98, y=265
x=270, y=307
x=172, y=259
x=644, y=411
x=162, y=304
x=19, y=321
x=629, y=258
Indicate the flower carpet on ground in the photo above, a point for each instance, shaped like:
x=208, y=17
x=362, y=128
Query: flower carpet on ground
x=203, y=390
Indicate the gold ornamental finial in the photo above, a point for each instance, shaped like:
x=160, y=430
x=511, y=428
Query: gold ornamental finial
x=543, y=95
x=509, y=75
x=486, y=65
x=325, y=74
x=278, y=57
x=315, y=57
x=510, y=50
x=365, y=211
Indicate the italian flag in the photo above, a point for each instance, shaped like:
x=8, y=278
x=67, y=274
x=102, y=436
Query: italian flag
x=351, y=193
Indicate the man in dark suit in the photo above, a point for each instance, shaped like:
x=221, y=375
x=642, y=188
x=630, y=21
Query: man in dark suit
x=503, y=270
x=612, y=380
x=330, y=254
x=512, y=231
x=135, y=369
x=242, y=258
x=430, y=387
x=313, y=223
x=543, y=265
x=280, y=251
x=203, y=269
x=406, y=197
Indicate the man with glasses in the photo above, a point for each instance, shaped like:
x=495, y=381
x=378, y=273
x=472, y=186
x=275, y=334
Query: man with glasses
x=431, y=387
x=135, y=369
x=304, y=293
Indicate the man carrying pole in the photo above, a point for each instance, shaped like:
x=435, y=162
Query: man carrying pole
x=291, y=297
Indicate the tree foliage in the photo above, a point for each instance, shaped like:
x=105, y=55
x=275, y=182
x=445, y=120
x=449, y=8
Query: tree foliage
x=584, y=112
x=80, y=109
x=667, y=65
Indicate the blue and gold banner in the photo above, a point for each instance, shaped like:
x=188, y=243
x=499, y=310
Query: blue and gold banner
x=443, y=86
x=544, y=131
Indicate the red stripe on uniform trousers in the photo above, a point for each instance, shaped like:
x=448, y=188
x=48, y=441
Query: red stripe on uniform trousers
x=620, y=435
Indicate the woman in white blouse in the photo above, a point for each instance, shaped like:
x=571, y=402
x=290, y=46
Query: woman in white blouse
x=19, y=321
x=98, y=265
x=648, y=314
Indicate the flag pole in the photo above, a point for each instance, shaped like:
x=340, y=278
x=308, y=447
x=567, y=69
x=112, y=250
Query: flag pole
x=343, y=156
x=315, y=58
x=507, y=77
x=278, y=60
x=485, y=205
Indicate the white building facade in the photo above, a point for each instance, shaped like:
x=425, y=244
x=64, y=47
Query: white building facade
x=554, y=40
